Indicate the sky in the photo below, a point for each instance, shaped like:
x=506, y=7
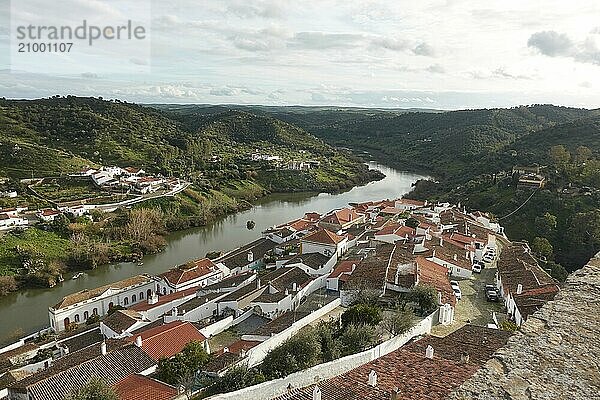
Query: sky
x=441, y=54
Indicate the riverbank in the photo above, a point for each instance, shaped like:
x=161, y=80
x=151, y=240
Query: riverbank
x=27, y=309
x=40, y=256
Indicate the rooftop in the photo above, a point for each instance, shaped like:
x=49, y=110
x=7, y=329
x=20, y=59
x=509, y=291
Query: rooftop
x=189, y=272
x=323, y=236
x=88, y=294
x=313, y=260
x=168, y=339
x=145, y=306
x=139, y=387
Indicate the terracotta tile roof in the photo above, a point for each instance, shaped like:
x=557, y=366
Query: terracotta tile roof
x=280, y=323
x=89, y=294
x=229, y=282
x=240, y=345
x=479, y=342
x=372, y=271
x=388, y=229
x=221, y=362
x=49, y=212
x=239, y=257
x=411, y=202
x=436, y=276
x=284, y=278
x=343, y=267
x=323, y=236
x=139, y=387
x=392, y=210
x=415, y=376
x=341, y=217
x=517, y=266
x=188, y=272
x=145, y=306
x=168, y=339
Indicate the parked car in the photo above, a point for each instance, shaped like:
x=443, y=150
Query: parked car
x=477, y=268
x=491, y=293
x=457, y=292
x=454, y=284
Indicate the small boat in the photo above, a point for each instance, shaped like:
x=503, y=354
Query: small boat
x=78, y=275
x=250, y=225
x=140, y=264
x=61, y=278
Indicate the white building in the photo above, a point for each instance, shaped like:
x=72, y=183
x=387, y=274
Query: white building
x=325, y=242
x=198, y=273
x=78, y=307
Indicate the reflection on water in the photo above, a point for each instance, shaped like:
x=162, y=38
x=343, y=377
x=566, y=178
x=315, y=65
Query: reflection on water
x=26, y=312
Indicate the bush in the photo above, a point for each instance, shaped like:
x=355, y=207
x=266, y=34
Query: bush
x=361, y=314
x=7, y=284
x=357, y=338
x=295, y=354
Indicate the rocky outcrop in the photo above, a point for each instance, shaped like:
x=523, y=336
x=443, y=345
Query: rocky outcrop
x=555, y=355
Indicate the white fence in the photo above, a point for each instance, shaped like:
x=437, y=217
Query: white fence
x=223, y=324
x=270, y=389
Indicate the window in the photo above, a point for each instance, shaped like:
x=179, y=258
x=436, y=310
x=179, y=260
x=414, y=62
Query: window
x=67, y=322
x=149, y=293
x=76, y=317
x=133, y=298
x=158, y=287
x=111, y=305
x=86, y=315
x=164, y=290
x=141, y=295
x=126, y=300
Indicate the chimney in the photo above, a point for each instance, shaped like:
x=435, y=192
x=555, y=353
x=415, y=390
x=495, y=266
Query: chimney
x=138, y=341
x=153, y=299
x=441, y=241
x=294, y=287
x=395, y=394
x=429, y=352
x=250, y=256
x=464, y=357
x=519, y=288
x=316, y=395
x=103, y=348
x=174, y=312
x=373, y=378
x=225, y=349
x=455, y=257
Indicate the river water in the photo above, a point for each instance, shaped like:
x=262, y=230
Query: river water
x=24, y=312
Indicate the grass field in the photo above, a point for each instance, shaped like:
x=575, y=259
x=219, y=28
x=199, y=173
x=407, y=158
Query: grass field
x=49, y=245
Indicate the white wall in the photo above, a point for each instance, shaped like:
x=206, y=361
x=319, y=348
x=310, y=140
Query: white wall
x=225, y=323
x=274, y=388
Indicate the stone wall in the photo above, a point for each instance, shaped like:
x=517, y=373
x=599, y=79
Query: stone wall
x=555, y=355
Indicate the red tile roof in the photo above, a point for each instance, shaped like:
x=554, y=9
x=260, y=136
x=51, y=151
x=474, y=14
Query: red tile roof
x=168, y=339
x=187, y=272
x=138, y=387
x=412, y=202
x=341, y=217
x=323, y=236
x=239, y=346
x=432, y=274
x=49, y=212
x=144, y=306
x=343, y=267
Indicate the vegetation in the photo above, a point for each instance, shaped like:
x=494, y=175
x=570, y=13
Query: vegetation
x=183, y=369
x=57, y=136
x=95, y=389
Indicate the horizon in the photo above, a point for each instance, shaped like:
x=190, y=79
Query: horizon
x=443, y=55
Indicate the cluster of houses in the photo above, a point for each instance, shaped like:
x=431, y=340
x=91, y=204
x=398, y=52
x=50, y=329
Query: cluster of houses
x=130, y=179
x=11, y=218
x=387, y=247
x=278, y=162
x=529, y=177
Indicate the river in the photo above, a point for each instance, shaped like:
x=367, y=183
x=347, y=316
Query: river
x=27, y=311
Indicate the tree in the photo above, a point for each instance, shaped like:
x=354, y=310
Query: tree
x=542, y=246
x=361, y=314
x=556, y=271
x=582, y=154
x=425, y=297
x=546, y=224
x=236, y=378
x=94, y=389
x=398, y=322
x=7, y=284
x=143, y=223
x=183, y=368
x=330, y=348
x=559, y=154
x=357, y=338
x=295, y=354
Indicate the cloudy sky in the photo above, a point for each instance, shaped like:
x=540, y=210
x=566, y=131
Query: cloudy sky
x=444, y=54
